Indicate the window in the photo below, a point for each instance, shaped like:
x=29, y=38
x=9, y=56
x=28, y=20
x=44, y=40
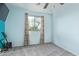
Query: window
x=34, y=23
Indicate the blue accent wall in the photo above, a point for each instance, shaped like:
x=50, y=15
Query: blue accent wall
x=2, y=29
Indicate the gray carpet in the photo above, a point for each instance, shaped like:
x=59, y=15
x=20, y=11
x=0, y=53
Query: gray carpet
x=37, y=50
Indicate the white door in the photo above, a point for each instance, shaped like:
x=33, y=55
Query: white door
x=34, y=29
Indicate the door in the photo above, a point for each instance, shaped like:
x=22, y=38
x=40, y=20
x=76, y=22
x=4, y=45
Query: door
x=34, y=29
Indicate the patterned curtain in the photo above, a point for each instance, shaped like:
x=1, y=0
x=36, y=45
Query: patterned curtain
x=26, y=31
x=42, y=30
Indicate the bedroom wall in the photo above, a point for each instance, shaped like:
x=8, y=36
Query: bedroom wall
x=66, y=27
x=15, y=25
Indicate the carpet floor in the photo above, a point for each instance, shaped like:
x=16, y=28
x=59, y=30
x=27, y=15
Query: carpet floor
x=37, y=50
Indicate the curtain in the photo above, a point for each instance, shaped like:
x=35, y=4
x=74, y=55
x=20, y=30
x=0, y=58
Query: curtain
x=26, y=31
x=42, y=30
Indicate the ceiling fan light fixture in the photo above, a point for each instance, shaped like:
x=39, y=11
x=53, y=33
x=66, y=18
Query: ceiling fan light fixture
x=38, y=3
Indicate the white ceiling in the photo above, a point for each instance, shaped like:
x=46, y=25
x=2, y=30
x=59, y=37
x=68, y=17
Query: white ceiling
x=36, y=8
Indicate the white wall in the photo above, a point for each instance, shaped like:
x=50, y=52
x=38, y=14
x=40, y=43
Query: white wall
x=15, y=25
x=66, y=27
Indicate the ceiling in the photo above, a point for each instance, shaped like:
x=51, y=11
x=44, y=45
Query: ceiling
x=35, y=7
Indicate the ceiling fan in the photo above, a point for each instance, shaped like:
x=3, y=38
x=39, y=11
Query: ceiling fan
x=46, y=5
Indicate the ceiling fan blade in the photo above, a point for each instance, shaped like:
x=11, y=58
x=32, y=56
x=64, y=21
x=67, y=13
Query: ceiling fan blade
x=61, y=3
x=46, y=5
